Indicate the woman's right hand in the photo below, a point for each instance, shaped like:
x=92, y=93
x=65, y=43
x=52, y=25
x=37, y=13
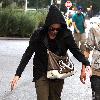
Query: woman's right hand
x=14, y=82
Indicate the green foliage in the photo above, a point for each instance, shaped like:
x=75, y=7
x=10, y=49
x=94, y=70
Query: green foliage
x=38, y=3
x=39, y=17
x=15, y=23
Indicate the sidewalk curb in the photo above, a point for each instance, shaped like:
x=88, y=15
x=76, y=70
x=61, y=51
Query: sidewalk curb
x=11, y=38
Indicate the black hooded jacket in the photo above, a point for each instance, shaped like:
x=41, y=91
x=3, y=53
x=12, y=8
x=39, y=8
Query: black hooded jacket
x=39, y=43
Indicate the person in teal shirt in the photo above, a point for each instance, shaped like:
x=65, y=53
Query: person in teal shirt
x=78, y=21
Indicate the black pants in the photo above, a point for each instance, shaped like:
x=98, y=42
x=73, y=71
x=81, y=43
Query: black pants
x=95, y=85
x=49, y=89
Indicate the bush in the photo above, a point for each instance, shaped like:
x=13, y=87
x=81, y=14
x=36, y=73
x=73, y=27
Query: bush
x=15, y=23
x=40, y=17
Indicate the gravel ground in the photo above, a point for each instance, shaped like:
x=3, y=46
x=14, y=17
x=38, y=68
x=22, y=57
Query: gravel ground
x=10, y=55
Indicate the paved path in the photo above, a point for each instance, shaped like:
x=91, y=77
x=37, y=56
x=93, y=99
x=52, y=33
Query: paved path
x=10, y=55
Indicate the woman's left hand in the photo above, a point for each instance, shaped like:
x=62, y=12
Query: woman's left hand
x=85, y=72
x=83, y=75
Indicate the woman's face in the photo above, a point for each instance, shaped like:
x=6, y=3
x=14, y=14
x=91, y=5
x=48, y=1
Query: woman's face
x=53, y=30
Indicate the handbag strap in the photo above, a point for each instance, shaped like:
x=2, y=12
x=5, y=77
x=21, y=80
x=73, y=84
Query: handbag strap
x=58, y=57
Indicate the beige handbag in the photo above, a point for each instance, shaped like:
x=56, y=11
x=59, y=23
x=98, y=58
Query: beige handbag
x=59, y=67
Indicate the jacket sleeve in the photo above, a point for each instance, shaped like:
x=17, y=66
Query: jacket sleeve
x=27, y=55
x=76, y=51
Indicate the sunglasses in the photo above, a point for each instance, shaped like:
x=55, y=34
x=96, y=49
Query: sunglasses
x=54, y=29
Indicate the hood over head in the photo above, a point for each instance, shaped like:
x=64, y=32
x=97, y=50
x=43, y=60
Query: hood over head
x=54, y=16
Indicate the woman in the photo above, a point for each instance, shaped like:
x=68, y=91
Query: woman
x=54, y=35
